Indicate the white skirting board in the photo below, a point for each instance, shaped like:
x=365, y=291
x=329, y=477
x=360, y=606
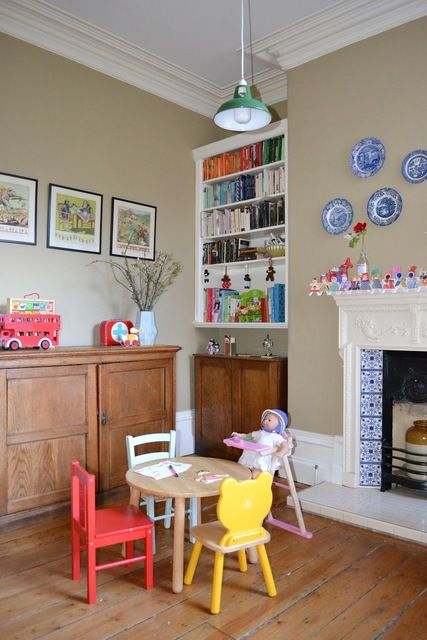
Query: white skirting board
x=316, y=457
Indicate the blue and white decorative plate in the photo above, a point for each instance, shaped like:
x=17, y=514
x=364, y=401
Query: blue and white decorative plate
x=414, y=166
x=367, y=157
x=384, y=206
x=337, y=216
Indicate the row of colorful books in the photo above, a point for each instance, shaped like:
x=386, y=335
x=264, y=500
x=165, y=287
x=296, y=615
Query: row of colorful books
x=244, y=187
x=268, y=213
x=254, y=305
x=247, y=157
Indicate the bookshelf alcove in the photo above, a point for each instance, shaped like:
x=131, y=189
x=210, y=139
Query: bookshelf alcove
x=241, y=204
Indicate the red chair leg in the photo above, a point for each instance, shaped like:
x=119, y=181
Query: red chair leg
x=75, y=555
x=91, y=575
x=149, y=567
x=129, y=550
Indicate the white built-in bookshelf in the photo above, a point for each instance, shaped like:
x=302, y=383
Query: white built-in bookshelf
x=241, y=204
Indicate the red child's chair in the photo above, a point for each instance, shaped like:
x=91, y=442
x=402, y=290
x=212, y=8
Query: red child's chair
x=93, y=528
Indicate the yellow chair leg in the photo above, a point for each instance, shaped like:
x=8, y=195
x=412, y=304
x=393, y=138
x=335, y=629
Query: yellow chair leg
x=266, y=570
x=194, y=559
x=217, y=582
x=243, y=563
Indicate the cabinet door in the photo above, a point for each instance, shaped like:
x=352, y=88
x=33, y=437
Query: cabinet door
x=257, y=385
x=213, y=390
x=135, y=398
x=50, y=418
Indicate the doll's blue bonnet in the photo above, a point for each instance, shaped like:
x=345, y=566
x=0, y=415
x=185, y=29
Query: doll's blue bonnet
x=283, y=420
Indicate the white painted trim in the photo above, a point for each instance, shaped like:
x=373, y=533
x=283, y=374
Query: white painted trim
x=185, y=432
x=45, y=26
x=333, y=28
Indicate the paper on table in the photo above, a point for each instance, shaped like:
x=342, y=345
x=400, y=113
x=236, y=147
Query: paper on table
x=162, y=470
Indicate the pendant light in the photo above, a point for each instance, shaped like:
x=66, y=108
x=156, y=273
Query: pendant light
x=242, y=113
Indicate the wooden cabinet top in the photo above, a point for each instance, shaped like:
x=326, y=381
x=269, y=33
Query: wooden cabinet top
x=83, y=355
x=222, y=356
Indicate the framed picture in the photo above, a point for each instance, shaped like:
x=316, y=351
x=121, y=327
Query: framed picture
x=133, y=229
x=74, y=220
x=18, y=209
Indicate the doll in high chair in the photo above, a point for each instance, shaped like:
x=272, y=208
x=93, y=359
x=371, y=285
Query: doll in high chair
x=272, y=433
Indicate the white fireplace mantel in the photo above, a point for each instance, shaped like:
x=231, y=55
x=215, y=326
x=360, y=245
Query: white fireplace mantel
x=386, y=320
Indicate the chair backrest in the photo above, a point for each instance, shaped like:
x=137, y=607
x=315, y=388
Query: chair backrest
x=83, y=500
x=242, y=507
x=132, y=442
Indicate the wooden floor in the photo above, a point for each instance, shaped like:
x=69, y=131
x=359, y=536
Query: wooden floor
x=343, y=583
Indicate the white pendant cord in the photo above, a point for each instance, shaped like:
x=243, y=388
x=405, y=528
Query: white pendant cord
x=241, y=40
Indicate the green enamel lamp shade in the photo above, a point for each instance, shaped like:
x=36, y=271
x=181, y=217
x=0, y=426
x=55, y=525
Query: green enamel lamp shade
x=242, y=113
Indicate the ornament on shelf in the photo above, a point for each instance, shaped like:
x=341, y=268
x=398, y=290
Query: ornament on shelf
x=247, y=278
x=212, y=347
x=314, y=287
x=206, y=276
x=226, y=280
x=270, y=271
x=268, y=343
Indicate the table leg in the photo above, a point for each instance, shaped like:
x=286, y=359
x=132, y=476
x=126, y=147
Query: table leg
x=135, y=497
x=178, y=545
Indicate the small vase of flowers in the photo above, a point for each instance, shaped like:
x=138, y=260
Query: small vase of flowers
x=358, y=234
x=146, y=281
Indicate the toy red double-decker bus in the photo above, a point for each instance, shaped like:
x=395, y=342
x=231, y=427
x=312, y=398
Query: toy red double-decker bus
x=29, y=330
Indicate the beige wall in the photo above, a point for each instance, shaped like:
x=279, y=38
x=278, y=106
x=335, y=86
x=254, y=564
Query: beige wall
x=376, y=88
x=63, y=123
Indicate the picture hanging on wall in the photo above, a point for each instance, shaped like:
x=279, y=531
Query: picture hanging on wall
x=18, y=209
x=133, y=229
x=74, y=221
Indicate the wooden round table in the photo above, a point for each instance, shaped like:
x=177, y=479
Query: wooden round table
x=179, y=488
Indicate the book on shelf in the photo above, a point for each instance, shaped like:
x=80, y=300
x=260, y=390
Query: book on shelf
x=254, y=305
x=247, y=157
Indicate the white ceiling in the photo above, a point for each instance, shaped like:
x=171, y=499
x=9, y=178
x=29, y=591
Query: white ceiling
x=187, y=51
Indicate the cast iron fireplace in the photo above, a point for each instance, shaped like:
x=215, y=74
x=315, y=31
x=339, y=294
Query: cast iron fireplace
x=404, y=380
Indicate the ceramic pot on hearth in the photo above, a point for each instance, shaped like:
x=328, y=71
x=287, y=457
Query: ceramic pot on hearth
x=416, y=442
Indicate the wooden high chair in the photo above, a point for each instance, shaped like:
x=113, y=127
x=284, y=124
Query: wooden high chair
x=277, y=463
x=241, y=508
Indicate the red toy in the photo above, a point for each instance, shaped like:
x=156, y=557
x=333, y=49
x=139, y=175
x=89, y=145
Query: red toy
x=112, y=332
x=29, y=330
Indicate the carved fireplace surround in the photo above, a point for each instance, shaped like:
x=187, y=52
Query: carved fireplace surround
x=368, y=324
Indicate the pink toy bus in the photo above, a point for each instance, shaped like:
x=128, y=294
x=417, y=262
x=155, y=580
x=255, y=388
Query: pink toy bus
x=29, y=330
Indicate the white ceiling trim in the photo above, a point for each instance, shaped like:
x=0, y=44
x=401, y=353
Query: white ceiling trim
x=335, y=27
x=346, y=22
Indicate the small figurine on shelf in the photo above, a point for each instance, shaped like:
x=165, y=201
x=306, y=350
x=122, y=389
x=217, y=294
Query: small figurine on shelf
x=324, y=284
x=130, y=339
x=411, y=278
x=334, y=285
x=314, y=287
x=376, y=279
x=365, y=284
x=268, y=343
x=344, y=268
x=398, y=282
x=205, y=276
x=211, y=347
x=273, y=433
x=247, y=278
x=226, y=280
x=270, y=271
x=345, y=284
x=388, y=282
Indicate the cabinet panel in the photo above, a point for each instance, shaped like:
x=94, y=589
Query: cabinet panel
x=213, y=405
x=134, y=398
x=230, y=394
x=50, y=419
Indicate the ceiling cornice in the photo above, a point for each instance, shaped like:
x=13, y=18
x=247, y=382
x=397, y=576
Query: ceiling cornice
x=332, y=28
x=50, y=28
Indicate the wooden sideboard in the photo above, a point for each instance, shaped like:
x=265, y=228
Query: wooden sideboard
x=77, y=403
x=231, y=392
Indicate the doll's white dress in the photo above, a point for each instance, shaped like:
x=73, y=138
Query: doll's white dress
x=255, y=460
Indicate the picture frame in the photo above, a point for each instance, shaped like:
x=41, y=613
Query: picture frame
x=18, y=209
x=133, y=229
x=74, y=219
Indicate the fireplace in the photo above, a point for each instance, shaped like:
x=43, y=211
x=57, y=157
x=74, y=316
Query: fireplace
x=369, y=325
x=405, y=386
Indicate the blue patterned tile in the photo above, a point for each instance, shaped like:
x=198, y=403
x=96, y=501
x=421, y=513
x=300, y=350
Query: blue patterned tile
x=371, y=359
x=371, y=404
x=371, y=428
x=371, y=381
x=370, y=451
x=370, y=474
